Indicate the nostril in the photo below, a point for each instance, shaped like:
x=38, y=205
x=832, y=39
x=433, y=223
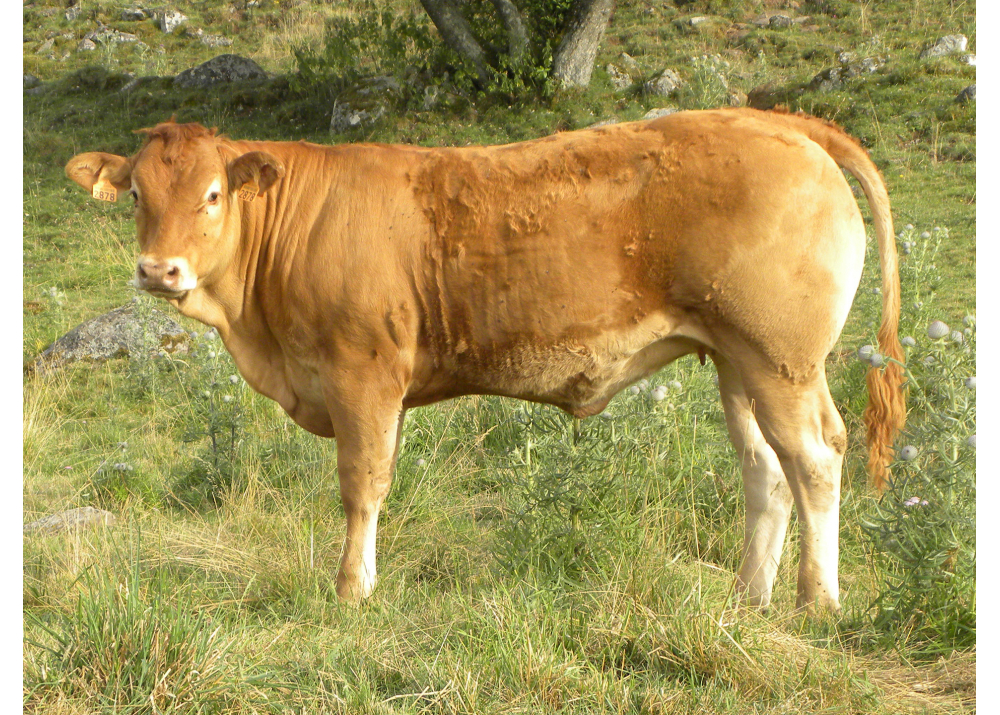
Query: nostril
x=142, y=272
x=173, y=272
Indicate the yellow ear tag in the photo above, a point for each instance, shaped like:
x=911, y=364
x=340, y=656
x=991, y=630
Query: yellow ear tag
x=104, y=191
x=248, y=192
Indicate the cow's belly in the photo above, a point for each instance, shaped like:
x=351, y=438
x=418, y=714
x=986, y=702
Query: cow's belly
x=579, y=374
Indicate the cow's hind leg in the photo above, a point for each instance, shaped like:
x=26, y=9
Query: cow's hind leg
x=801, y=424
x=768, y=498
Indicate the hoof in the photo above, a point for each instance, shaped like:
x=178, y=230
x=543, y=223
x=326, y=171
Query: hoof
x=354, y=590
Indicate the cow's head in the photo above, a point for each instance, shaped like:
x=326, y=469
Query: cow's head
x=184, y=182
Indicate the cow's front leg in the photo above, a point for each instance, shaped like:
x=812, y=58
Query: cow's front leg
x=368, y=428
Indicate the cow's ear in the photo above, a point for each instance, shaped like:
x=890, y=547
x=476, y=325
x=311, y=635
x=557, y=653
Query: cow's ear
x=255, y=167
x=96, y=167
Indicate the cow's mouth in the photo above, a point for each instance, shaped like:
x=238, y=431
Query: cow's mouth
x=167, y=293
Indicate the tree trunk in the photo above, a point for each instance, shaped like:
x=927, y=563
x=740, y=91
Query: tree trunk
x=517, y=35
x=574, y=60
x=457, y=34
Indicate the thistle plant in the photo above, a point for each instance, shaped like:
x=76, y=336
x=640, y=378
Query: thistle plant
x=921, y=534
x=146, y=360
x=217, y=417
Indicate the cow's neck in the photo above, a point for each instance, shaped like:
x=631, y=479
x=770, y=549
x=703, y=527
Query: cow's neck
x=268, y=241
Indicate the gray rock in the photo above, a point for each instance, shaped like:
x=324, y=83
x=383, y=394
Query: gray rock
x=84, y=517
x=214, y=40
x=344, y=118
x=834, y=77
x=947, y=45
x=31, y=81
x=108, y=35
x=73, y=13
x=46, y=46
x=117, y=333
x=665, y=84
x=967, y=95
x=773, y=19
x=968, y=60
x=86, y=45
x=628, y=62
x=604, y=123
x=659, y=112
x=133, y=14
x=207, y=39
x=170, y=20
x=619, y=80
x=364, y=104
x=220, y=70
x=379, y=85
x=737, y=99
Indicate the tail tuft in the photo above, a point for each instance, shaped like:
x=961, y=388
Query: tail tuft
x=885, y=414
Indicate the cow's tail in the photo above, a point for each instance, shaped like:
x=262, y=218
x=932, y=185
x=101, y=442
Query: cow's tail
x=886, y=411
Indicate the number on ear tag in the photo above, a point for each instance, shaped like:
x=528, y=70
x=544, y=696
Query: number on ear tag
x=248, y=192
x=104, y=191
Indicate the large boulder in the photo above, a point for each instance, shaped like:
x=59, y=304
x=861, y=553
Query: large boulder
x=118, y=333
x=220, y=70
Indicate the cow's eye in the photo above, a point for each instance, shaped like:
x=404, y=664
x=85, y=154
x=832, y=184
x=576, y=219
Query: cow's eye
x=213, y=198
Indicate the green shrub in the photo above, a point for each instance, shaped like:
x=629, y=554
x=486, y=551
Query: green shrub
x=374, y=42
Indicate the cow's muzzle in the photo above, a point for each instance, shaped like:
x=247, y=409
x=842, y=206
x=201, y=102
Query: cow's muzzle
x=169, y=278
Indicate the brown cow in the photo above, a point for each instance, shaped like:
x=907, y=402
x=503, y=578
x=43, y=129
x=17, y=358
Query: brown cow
x=351, y=283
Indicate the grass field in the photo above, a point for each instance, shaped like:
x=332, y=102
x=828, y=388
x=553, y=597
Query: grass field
x=528, y=564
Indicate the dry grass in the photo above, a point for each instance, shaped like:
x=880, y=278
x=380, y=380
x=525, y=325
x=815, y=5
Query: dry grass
x=945, y=686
